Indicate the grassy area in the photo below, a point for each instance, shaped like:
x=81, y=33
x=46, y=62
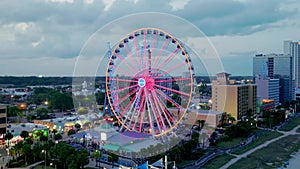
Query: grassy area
x=290, y=125
x=184, y=162
x=42, y=167
x=218, y=162
x=272, y=156
x=261, y=137
x=230, y=143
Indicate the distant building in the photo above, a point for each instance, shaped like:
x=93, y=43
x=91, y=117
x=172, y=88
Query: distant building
x=3, y=123
x=235, y=99
x=293, y=49
x=211, y=118
x=277, y=66
x=267, y=88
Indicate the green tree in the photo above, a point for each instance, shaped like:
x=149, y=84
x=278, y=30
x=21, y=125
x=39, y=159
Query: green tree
x=36, y=152
x=72, y=162
x=24, y=134
x=201, y=124
x=96, y=154
x=230, y=118
x=20, y=115
x=112, y=158
x=82, y=157
x=82, y=110
x=57, y=136
x=213, y=139
x=13, y=111
x=100, y=96
x=27, y=151
x=8, y=137
x=43, y=138
x=62, y=152
x=77, y=126
x=70, y=132
x=54, y=131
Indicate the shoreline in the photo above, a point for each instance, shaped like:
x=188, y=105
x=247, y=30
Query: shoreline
x=294, y=162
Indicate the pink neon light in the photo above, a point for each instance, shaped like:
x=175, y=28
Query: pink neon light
x=172, y=90
x=121, y=89
x=120, y=57
x=168, y=58
x=161, y=50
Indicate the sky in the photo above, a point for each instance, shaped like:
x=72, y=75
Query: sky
x=45, y=37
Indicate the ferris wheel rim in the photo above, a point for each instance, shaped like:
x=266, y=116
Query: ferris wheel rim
x=185, y=110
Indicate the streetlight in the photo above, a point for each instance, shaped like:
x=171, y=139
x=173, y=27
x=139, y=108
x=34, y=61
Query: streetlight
x=44, y=151
x=51, y=164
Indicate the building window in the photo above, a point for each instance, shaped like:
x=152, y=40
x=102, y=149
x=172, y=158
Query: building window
x=2, y=120
x=2, y=130
x=2, y=111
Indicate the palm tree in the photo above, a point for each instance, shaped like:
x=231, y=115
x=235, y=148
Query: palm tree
x=96, y=155
x=20, y=116
x=8, y=137
x=201, y=124
x=230, y=118
x=113, y=158
x=24, y=134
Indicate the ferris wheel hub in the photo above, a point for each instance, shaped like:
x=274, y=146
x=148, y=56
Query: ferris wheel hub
x=142, y=82
x=147, y=82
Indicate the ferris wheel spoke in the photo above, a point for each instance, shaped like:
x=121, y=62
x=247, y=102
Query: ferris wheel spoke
x=158, y=111
x=124, y=88
x=145, y=49
x=142, y=112
x=118, y=69
x=129, y=54
x=127, y=106
x=161, y=50
x=172, y=80
x=138, y=110
x=170, y=70
x=122, y=80
x=168, y=99
x=162, y=108
x=126, y=96
x=154, y=42
x=123, y=60
x=130, y=110
x=167, y=59
x=155, y=112
x=133, y=108
x=136, y=51
x=149, y=114
x=172, y=90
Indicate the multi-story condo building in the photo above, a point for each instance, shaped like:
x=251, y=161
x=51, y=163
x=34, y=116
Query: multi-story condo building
x=3, y=123
x=235, y=99
x=267, y=88
x=277, y=66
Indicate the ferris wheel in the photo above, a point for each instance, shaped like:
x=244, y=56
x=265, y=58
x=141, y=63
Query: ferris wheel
x=149, y=82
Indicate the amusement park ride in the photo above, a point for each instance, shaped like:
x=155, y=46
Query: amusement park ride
x=145, y=87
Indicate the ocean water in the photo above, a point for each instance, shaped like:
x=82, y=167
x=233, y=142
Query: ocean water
x=294, y=163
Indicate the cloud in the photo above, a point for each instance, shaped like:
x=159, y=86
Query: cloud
x=61, y=1
x=108, y=4
x=60, y=28
x=178, y=4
